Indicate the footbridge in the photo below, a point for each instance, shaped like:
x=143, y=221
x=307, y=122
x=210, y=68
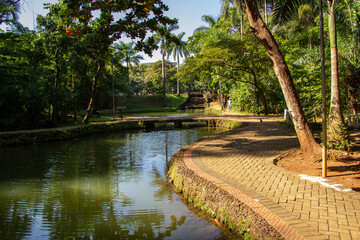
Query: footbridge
x=150, y=122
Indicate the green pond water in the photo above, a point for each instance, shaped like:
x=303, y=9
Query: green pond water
x=101, y=187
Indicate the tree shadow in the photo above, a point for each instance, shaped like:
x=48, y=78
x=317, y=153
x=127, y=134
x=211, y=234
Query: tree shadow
x=348, y=159
x=352, y=168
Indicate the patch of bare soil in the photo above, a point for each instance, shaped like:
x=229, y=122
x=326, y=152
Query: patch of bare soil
x=343, y=167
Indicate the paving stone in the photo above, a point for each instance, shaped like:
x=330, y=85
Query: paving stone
x=247, y=160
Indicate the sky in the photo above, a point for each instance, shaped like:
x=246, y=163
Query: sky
x=188, y=13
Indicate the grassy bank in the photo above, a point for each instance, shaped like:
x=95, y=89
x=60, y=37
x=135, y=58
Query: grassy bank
x=154, y=103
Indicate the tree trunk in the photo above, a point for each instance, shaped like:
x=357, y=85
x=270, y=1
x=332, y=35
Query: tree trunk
x=113, y=89
x=177, y=80
x=337, y=133
x=240, y=11
x=128, y=74
x=163, y=76
x=259, y=29
x=221, y=97
x=55, y=114
x=93, y=94
x=73, y=86
x=265, y=12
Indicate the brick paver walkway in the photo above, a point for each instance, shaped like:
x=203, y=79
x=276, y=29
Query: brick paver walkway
x=243, y=160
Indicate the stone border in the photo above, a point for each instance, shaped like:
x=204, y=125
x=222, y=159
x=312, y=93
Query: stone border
x=236, y=206
x=65, y=133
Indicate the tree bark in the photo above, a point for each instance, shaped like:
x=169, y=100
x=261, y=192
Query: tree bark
x=177, y=81
x=240, y=11
x=73, y=86
x=221, y=97
x=90, y=108
x=55, y=110
x=259, y=29
x=337, y=133
x=163, y=76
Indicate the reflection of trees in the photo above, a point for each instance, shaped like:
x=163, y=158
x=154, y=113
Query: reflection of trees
x=29, y=162
x=15, y=218
x=163, y=186
x=73, y=188
x=136, y=227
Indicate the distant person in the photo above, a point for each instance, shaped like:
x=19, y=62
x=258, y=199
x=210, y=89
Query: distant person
x=229, y=104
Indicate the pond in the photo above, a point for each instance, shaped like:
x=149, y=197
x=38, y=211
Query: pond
x=102, y=187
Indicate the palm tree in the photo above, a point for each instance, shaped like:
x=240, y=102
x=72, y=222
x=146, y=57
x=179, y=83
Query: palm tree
x=283, y=12
x=306, y=17
x=240, y=9
x=349, y=41
x=164, y=38
x=128, y=55
x=337, y=133
x=225, y=4
x=178, y=48
x=210, y=20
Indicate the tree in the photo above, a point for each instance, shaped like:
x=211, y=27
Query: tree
x=129, y=56
x=337, y=131
x=164, y=38
x=210, y=20
x=57, y=45
x=154, y=77
x=141, y=17
x=239, y=6
x=23, y=87
x=259, y=29
x=178, y=48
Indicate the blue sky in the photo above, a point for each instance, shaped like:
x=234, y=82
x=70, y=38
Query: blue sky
x=188, y=12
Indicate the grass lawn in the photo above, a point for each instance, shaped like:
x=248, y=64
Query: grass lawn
x=154, y=103
x=140, y=104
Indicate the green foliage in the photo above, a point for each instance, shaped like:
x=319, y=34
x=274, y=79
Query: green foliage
x=154, y=103
x=154, y=84
x=54, y=71
x=238, y=63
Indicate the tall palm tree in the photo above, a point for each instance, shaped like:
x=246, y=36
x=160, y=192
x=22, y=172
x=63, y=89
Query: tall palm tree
x=210, y=20
x=264, y=4
x=128, y=55
x=238, y=4
x=178, y=49
x=337, y=132
x=164, y=38
x=306, y=15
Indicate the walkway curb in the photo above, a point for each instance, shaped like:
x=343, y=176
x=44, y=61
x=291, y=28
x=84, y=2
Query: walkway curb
x=289, y=206
x=273, y=219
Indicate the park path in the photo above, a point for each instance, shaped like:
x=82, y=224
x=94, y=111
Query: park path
x=299, y=207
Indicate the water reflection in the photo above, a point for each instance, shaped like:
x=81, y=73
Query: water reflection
x=102, y=187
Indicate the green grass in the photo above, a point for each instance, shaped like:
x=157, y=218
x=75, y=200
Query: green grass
x=140, y=104
x=70, y=122
x=154, y=103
